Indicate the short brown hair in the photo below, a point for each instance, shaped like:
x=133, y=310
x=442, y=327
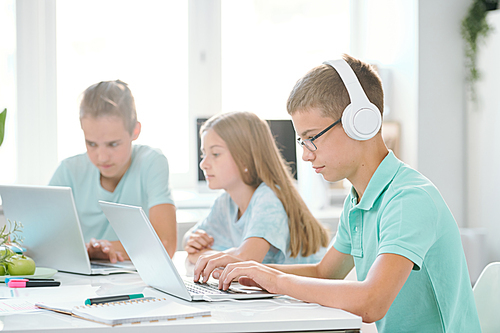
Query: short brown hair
x=110, y=98
x=323, y=88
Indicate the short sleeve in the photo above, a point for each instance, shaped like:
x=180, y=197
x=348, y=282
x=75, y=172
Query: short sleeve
x=61, y=176
x=342, y=240
x=408, y=225
x=157, y=181
x=217, y=223
x=267, y=219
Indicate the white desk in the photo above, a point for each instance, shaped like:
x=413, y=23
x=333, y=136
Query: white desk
x=288, y=315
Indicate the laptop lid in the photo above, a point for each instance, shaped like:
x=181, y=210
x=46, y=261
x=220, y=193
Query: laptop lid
x=149, y=256
x=144, y=248
x=52, y=233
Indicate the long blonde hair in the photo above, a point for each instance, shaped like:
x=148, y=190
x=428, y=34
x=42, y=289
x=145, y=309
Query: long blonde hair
x=252, y=147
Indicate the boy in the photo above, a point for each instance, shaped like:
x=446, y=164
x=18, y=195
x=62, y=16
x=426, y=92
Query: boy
x=395, y=227
x=115, y=170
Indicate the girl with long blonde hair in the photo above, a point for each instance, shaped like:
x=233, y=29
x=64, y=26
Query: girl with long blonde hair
x=261, y=215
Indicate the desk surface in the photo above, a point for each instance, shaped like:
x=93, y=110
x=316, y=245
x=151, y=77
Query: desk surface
x=277, y=315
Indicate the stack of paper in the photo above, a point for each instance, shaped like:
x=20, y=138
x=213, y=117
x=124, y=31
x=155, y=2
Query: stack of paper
x=134, y=311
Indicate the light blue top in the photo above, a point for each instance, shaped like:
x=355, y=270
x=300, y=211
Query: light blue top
x=403, y=213
x=145, y=184
x=265, y=218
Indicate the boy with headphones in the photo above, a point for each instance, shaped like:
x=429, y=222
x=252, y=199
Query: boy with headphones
x=395, y=228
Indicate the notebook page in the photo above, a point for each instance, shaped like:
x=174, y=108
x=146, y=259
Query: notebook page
x=138, y=311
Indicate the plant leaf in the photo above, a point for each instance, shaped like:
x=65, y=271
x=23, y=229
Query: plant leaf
x=474, y=30
x=3, y=115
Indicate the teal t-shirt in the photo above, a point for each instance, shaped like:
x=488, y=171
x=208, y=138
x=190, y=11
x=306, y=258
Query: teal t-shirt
x=145, y=184
x=402, y=212
x=265, y=218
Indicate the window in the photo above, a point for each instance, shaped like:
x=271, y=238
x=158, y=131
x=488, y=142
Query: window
x=265, y=47
x=143, y=43
x=8, y=156
x=268, y=45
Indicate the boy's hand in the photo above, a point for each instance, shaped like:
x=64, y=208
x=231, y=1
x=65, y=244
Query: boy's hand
x=198, y=240
x=252, y=274
x=103, y=249
x=228, y=268
x=213, y=263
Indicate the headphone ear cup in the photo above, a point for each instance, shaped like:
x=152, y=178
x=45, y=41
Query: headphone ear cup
x=361, y=119
x=361, y=124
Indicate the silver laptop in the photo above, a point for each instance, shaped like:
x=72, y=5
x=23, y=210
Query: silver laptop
x=52, y=232
x=153, y=263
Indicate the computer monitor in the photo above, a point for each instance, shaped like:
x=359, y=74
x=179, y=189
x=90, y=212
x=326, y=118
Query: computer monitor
x=286, y=139
x=284, y=135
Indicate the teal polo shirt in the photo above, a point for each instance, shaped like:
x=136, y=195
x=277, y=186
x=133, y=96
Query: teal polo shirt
x=145, y=184
x=403, y=213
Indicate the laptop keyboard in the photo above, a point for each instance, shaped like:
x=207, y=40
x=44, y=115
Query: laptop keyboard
x=119, y=264
x=98, y=266
x=205, y=288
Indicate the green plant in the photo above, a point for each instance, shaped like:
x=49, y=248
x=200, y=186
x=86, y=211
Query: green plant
x=475, y=28
x=3, y=115
x=10, y=235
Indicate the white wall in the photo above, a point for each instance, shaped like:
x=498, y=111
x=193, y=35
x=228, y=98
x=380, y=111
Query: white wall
x=419, y=43
x=384, y=32
x=441, y=102
x=483, y=142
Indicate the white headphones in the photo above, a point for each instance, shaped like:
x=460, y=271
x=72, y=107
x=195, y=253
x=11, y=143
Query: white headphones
x=361, y=119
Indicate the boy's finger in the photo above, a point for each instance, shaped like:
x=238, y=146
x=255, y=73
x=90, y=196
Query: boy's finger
x=217, y=273
x=112, y=256
x=199, y=267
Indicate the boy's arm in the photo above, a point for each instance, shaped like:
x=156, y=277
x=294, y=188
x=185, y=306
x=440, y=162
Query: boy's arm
x=164, y=222
x=370, y=299
x=334, y=265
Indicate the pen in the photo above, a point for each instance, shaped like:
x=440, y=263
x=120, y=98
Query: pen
x=28, y=284
x=124, y=300
x=7, y=279
x=109, y=299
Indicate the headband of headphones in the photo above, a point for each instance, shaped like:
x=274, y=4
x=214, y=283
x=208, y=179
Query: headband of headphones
x=361, y=119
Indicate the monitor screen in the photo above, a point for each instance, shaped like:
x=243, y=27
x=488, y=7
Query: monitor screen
x=284, y=136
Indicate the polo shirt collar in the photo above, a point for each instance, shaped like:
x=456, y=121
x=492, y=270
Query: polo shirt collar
x=382, y=177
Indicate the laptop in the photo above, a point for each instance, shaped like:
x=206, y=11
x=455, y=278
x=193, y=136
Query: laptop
x=52, y=233
x=153, y=263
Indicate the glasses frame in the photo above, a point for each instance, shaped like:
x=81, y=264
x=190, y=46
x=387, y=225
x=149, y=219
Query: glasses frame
x=309, y=144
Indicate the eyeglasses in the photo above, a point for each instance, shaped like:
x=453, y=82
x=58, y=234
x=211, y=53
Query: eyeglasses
x=309, y=144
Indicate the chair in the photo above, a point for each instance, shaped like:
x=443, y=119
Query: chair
x=487, y=297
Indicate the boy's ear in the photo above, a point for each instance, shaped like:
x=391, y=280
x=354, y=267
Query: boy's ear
x=137, y=131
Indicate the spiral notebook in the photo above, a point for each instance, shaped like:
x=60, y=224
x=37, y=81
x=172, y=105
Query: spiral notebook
x=130, y=312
